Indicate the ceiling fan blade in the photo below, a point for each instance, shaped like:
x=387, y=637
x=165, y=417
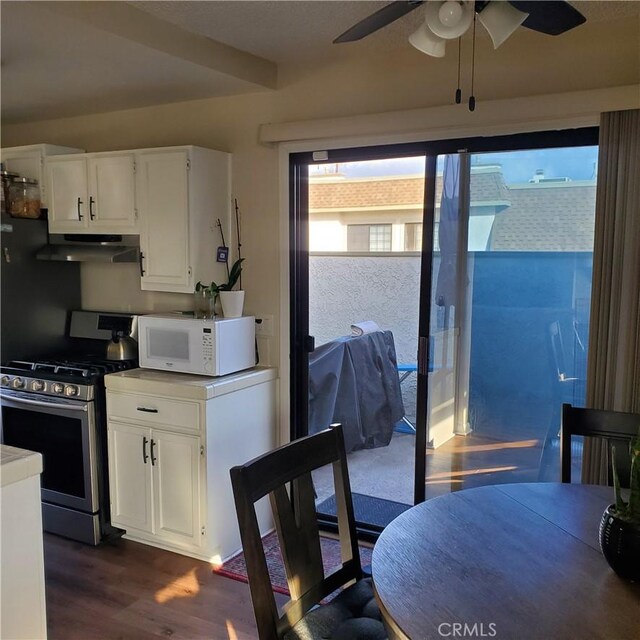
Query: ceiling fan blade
x=552, y=17
x=381, y=18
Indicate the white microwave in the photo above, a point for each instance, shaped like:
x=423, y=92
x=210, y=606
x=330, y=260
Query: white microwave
x=207, y=347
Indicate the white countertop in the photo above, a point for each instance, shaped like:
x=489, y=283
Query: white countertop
x=184, y=385
x=18, y=464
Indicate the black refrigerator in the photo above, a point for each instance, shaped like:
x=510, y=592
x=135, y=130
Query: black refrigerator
x=36, y=295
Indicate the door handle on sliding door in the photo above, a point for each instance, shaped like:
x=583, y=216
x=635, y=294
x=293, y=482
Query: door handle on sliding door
x=423, y=355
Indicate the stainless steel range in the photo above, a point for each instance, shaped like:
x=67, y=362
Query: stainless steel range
x=56, y=406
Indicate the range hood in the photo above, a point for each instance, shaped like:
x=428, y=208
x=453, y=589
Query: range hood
x=91, y=248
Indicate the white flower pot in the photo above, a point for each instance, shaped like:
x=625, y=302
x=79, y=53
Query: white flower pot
x=232, y=303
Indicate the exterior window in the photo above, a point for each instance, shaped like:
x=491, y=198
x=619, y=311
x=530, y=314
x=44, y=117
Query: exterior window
x=369, y=237
x=413, y=236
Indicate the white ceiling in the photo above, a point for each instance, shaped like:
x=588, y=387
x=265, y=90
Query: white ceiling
x=61, y=59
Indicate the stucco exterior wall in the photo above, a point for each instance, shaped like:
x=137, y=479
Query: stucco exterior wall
x=385, y=289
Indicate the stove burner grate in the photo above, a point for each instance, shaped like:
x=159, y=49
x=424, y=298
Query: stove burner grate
x=79, y=367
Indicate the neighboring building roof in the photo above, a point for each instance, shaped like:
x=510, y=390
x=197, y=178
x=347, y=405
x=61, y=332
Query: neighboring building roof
x=546, y=217
x=535, y=216
x=338, y=192
x=345, y=193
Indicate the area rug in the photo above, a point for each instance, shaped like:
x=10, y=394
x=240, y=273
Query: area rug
x=367, y=509
x=236, y=569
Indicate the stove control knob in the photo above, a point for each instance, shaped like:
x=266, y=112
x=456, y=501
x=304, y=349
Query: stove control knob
x=57, y=388
x=6, y=381
x=17, y=383
x=71, y=390
x=37, y=385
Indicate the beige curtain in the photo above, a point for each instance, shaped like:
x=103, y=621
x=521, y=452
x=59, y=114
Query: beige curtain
x=613, y=372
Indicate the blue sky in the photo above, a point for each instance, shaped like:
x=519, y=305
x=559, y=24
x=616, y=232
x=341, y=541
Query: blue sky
x=577, y=163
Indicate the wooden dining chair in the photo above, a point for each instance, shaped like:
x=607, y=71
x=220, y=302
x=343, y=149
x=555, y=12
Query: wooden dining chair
x=353, y=613
x=616, y=427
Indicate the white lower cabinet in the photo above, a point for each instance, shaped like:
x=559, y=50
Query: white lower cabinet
x=155, y=482
x=172, y=439
x=176, y=487
x=130, y=476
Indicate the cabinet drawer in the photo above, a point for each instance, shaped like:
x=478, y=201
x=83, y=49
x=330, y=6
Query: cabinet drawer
x=173, y=414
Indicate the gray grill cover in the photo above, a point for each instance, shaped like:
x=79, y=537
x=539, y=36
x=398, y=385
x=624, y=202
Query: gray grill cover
x=355, y=381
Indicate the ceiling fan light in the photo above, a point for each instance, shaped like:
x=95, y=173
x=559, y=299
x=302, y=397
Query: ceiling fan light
x=448, y=21
x=501, y=19
x=450, y=13
x=427, y=42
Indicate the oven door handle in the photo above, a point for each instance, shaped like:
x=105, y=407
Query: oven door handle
x=47, y=405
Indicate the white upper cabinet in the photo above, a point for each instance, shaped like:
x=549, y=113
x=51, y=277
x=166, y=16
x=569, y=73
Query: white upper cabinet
x=68, y=194
x=181, y=193
x=173, y=197
x=92, y=193
x=163, y=198
x=112, y=203
x=28, y=161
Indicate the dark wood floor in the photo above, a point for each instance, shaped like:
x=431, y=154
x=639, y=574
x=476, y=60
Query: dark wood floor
x=132, y=591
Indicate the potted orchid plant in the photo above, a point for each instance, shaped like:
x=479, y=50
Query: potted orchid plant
x=231, y=299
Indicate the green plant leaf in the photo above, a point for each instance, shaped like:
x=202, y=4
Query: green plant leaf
x=621, y=505
x=633, y=507
x=234, y=274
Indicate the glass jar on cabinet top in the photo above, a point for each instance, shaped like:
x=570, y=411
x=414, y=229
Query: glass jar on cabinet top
x=7, y=178
x=24, y=198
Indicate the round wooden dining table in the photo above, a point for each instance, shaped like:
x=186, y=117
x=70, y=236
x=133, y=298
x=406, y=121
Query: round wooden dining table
x=513, y=561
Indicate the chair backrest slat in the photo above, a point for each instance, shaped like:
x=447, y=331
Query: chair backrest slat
x=615, y=426
x=299, y=535
x=297, y=526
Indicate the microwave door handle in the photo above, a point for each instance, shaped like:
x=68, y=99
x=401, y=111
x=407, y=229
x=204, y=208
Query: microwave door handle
x=47, y=405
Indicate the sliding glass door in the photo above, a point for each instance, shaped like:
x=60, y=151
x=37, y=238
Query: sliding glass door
x=440, y=310
x=364, y=226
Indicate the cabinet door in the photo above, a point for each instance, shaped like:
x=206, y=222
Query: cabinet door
x=176, y=488
x=67, y=194
x=112, y=207
x=163, y=203
x=130, y=476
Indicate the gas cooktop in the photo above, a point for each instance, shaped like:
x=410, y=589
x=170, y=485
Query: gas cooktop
x=88, y=367
x=71, y=378
x=75, y=371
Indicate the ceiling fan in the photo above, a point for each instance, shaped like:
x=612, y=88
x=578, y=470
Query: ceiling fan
x=450, y=19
